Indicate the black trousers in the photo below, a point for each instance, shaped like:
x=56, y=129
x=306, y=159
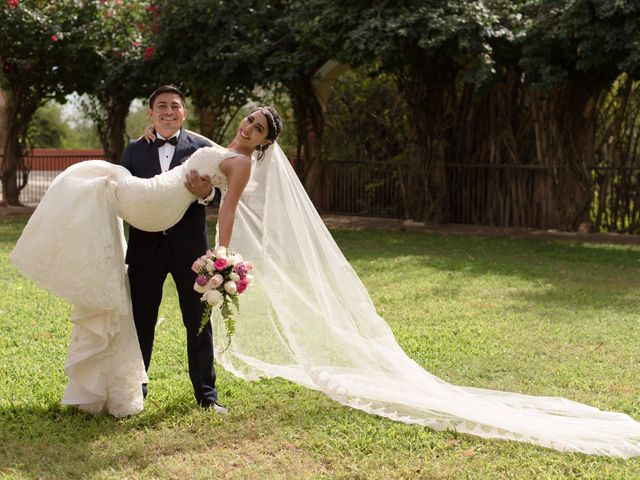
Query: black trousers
x=147, y=281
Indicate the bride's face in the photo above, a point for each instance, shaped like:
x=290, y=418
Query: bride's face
x=253, y=130
x=167, y=113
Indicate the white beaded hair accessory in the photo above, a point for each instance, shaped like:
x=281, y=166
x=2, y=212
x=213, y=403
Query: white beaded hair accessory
x=275, y=123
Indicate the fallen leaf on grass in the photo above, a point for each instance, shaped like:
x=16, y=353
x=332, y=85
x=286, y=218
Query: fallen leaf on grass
x=38, y=336
x=469, y=452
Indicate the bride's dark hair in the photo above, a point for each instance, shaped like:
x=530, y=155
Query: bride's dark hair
x=274, y=127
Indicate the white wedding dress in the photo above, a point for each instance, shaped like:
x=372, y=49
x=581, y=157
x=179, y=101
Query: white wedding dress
x=74, y=246
x=307, y=318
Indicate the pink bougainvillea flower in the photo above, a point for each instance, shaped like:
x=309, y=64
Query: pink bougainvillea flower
x=148, y=54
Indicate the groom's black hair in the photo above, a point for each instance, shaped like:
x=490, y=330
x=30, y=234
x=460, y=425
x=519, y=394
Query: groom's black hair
x=166, y=89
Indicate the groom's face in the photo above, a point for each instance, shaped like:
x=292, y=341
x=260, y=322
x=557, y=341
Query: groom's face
x=168, y=114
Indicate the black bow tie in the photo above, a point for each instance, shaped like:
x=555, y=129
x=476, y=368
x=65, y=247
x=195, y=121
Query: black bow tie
x=160, y=141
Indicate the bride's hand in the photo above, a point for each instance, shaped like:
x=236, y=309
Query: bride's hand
x=199, y=186
x=149, y=134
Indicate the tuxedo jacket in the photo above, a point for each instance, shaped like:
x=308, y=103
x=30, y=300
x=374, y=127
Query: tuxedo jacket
x=188, y=237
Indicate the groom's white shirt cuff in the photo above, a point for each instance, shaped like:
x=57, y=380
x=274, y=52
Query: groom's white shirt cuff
x=207, y=201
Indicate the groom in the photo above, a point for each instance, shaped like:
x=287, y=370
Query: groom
x=151, y=256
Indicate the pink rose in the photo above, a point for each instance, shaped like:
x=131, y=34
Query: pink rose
x=13, y=3
x=210, y=254
x=216, y=281
x=249, y=266
x=197, y=265
x=241, y=269
x=220, y=264
x=202, y=280
x=241, y=285
x=54, y=38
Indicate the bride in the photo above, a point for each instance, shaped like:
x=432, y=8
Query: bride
x=308, y=317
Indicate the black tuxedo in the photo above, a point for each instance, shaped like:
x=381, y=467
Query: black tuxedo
x=153, y=255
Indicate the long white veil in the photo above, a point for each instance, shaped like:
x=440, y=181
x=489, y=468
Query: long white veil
x=308, y=318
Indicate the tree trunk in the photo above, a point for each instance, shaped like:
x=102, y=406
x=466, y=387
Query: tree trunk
x=14, y=170
x=491, y=142
x=10, y=167
x=309, y=127
x=210, y=114
x=429, y=92
x=208, y=120
x=565, y=125
x=111, y=129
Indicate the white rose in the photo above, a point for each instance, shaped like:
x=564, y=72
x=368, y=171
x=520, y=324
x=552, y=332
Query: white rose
x=209, y=265
x=234, y=276
x=230, y=288
x=201, y=288
x=221, y=252
x=212, y=297
x=235, y=258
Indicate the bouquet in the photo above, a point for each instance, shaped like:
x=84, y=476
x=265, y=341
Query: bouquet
x=222, y=275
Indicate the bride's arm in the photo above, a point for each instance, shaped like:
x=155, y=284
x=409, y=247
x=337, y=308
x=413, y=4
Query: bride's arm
x=237, y=170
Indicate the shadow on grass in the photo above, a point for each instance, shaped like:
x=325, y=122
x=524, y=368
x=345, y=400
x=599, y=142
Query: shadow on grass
x=567, y=272
x=54, y=441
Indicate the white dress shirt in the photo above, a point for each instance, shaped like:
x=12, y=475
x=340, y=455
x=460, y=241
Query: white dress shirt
x=165, y=154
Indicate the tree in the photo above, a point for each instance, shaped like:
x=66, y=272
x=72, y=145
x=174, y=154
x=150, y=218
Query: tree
x=572, y=53
x=41, y=52
x=427, y=46
x=302, y=37
x=213, y=51
x=124, y=66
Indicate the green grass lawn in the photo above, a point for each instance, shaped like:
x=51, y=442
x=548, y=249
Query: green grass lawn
x=548, y=318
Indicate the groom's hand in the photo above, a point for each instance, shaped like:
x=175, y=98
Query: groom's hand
x=200, y=186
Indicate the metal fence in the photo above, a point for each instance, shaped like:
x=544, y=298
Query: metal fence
x=501, y=195
x=367, y=188
x=45, y=165
x=477, y=194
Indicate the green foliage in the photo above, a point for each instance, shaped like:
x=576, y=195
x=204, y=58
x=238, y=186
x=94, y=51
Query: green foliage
x=137, y=120
x=41, y=54
x=366, y=119
x=43, y=47
x=122, y=37
x=598, y=40
x=213, y=51
x=47, y=130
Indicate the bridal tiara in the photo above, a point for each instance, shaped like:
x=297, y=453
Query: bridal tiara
x=275, y=122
